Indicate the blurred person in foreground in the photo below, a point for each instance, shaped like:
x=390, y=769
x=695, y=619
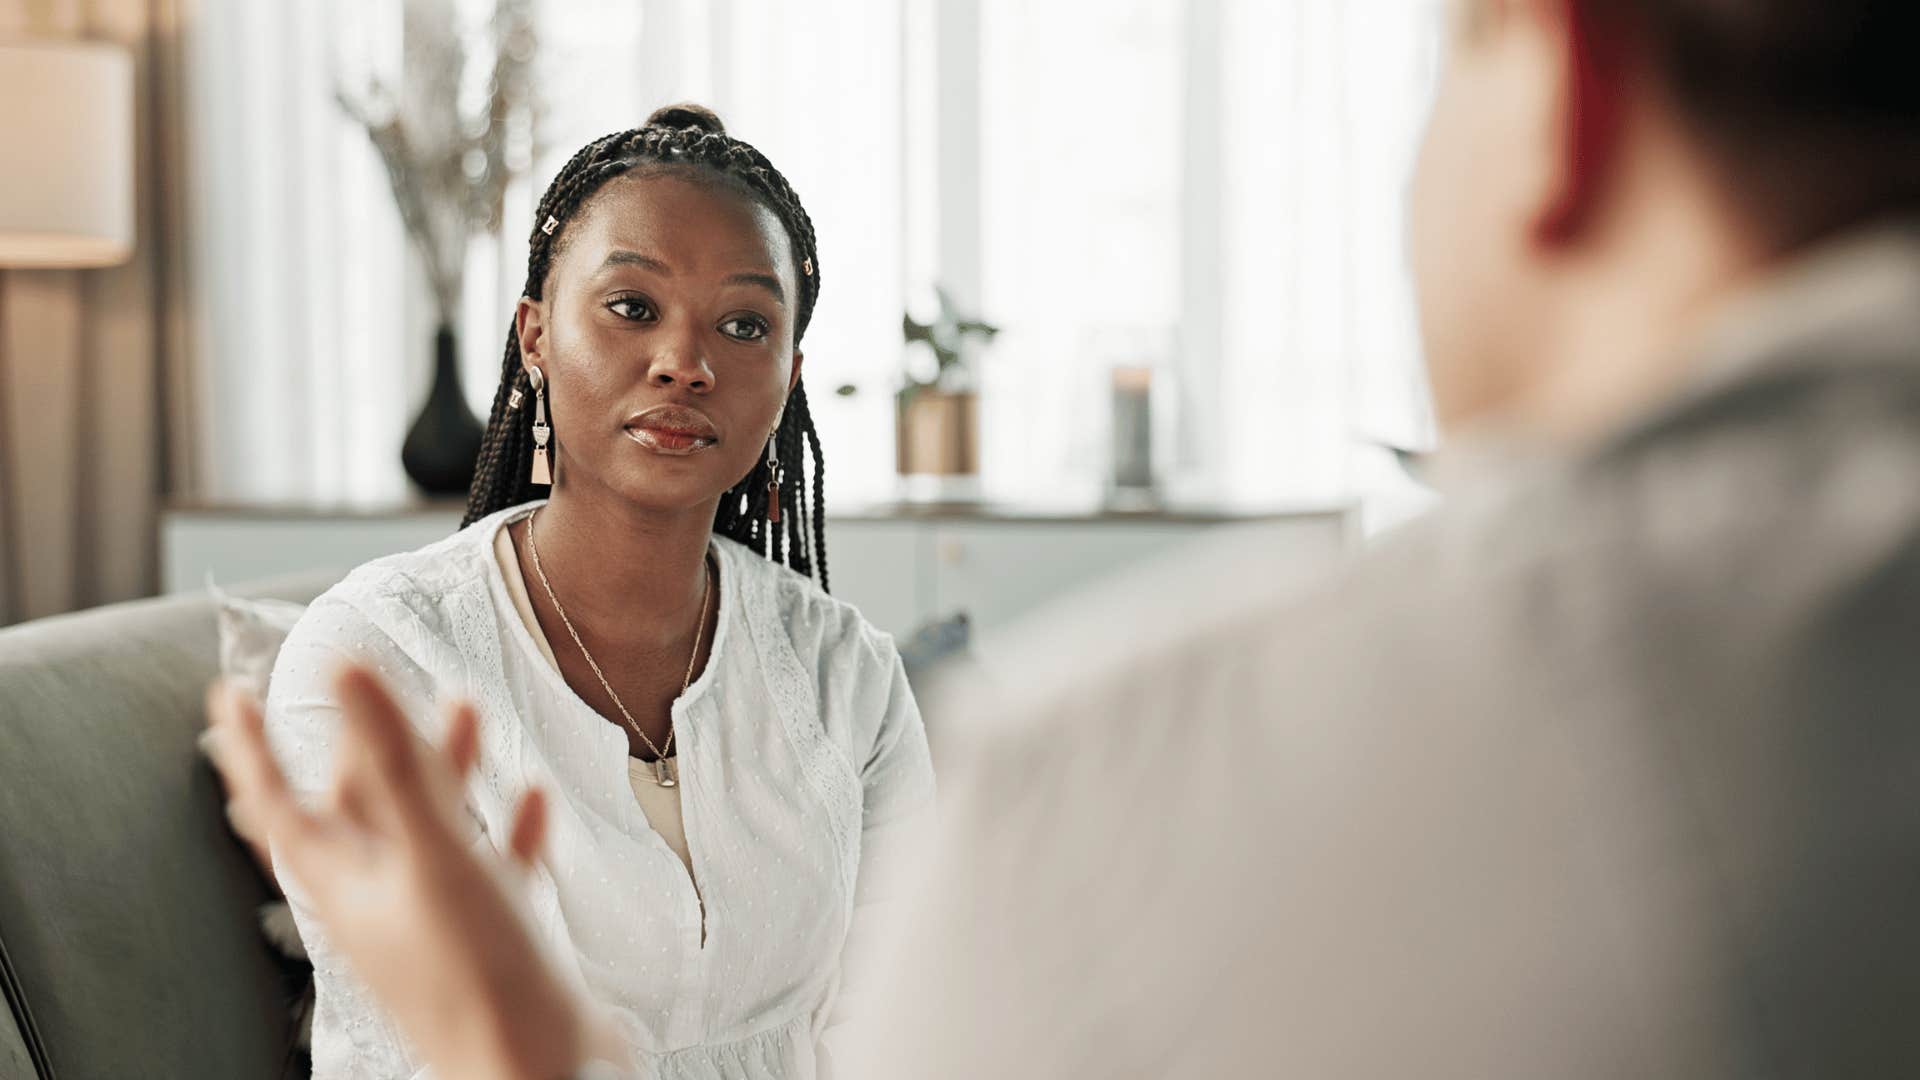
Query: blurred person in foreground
x=1606, y=768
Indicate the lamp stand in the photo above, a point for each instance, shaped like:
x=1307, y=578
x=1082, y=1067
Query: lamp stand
x=11, y=587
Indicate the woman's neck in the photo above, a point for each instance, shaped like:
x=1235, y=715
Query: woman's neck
x=629, y=574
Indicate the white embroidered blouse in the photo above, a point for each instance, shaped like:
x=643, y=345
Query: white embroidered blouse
x=802, y=763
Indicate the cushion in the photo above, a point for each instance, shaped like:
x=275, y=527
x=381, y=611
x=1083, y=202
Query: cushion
x=251, y=633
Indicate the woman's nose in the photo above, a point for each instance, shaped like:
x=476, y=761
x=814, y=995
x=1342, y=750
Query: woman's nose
x=680, y=362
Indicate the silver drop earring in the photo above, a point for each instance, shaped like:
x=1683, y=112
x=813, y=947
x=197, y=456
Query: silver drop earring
x=773, y=472
x=542, y=467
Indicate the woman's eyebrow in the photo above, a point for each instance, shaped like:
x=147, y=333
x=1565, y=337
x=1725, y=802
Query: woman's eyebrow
x=619, y=257
x=623, y=257
x=765, y=281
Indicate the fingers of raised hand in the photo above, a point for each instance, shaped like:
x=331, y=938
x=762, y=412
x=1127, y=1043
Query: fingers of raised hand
x=529, y=831
x=444, y=772
x=259, y=798
x=461, y=744
x=375, y=724
x=377, y=767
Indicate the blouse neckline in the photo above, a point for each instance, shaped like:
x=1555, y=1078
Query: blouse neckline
x=699, y=689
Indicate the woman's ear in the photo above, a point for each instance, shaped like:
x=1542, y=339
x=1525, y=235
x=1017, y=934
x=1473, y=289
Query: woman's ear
x=530, y=325
x=798, y=359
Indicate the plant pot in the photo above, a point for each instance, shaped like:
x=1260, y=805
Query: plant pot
x=443, y=445
x=938, y=434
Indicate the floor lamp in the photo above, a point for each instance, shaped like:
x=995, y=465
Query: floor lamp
x=66, y=199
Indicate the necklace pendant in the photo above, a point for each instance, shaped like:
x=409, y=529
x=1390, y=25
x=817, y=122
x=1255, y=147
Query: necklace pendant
x=663, y=773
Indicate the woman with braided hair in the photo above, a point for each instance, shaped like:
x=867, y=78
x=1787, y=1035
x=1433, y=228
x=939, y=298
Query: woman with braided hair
x=636, y=606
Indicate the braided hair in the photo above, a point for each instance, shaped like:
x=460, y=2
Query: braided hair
x=689, y=139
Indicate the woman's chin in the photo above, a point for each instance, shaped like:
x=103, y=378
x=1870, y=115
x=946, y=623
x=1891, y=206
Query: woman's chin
x=656, y=493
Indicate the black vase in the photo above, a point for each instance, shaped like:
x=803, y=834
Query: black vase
x=444, y=442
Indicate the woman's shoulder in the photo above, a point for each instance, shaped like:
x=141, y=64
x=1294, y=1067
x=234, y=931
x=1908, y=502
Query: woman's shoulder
x=413, y=617
x=819, y=625
x=418, y=586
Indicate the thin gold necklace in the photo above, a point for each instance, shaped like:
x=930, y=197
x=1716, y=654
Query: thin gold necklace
x=663, y=770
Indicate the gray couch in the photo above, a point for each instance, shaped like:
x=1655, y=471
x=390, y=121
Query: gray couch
x=128, y=941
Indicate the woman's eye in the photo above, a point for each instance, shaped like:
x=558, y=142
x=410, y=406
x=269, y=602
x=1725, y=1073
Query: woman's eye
x=631, y=307
x=744, y=329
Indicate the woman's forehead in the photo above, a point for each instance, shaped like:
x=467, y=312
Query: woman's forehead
x=677, y=214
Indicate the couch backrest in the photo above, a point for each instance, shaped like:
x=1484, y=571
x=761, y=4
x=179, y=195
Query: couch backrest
x=128, y=941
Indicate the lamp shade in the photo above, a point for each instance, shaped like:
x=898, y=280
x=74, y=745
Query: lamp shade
x=66, y=123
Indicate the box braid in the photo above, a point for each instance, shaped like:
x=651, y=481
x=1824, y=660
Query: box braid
x=689, y=139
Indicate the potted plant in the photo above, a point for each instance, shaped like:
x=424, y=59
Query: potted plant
x=936, y=411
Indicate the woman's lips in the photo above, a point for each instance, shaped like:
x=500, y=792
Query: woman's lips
x=675, y=430
x=667, y=442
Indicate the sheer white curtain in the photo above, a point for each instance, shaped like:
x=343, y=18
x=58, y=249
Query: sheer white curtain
x=317, y=323
x=1325, y=103
x=313, y=328
x=1082, y=159
x=1213, y=187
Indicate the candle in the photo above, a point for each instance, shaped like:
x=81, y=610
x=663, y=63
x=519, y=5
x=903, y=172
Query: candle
x=1132, y=428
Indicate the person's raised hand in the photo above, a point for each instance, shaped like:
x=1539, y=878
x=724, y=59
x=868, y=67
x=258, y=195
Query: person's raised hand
x=424, y=919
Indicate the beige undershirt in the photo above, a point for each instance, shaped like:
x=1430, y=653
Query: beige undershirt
x=661, y=805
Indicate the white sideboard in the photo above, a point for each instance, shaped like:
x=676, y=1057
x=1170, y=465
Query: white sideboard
x=901, y=565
